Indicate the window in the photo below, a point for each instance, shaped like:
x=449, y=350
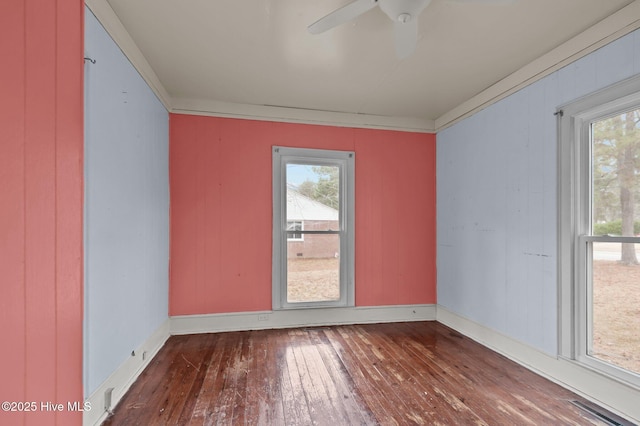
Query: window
x=293, y=230
x=313, y=233
x=600, y=231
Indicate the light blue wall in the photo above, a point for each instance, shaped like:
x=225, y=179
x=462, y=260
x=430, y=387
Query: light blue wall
x=126, y=208
x=497, y=208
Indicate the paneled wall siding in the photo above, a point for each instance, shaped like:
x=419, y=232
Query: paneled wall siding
x=497, y=208
x=41, y=156
x=221, y=209
x=126, y=208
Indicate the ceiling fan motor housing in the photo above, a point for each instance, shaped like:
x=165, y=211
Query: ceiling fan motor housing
x=403, y=10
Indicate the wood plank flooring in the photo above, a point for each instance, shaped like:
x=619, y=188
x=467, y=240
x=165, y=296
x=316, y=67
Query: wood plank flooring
x=387, y=374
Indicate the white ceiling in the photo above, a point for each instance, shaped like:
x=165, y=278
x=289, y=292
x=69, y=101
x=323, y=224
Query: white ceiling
x=246, y=55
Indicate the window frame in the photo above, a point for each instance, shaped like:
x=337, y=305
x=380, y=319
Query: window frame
x=281, y=156
x=575, y=237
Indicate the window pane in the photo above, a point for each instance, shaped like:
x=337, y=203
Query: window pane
x=615, y=174
x=313, y=260
x=293, y=230
x=313, y=269
x=616, y=307
x=313, y=194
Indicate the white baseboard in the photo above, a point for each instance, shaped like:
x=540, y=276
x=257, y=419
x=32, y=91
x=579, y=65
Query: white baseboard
x=122, y=378
x=191, y=324
x=609, y=393
x=612, y=395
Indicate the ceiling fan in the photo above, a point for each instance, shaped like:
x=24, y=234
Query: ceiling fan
x=404, y=13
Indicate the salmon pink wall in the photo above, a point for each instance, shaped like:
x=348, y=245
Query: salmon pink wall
x=41, y=139
x=221, y=209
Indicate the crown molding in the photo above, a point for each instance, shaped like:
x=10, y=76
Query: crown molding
x=604, y=32
x=113, y=26
x=299, y=115
x=609, y=29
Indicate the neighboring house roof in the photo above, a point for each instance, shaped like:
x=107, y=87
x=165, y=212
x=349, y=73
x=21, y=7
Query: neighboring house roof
x=300, y=207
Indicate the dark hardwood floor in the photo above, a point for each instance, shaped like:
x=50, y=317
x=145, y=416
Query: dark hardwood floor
x=400, y=373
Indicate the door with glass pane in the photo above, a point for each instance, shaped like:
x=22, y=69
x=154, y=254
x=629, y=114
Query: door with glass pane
x=313, y=236
x=611, y=246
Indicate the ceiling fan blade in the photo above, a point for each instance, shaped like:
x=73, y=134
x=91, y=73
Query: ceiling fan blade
x=342, y=15
x=406, y=35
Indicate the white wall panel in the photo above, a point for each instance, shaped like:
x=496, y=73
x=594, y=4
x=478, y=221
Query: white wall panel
x=497, y=206
x=126, y=208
